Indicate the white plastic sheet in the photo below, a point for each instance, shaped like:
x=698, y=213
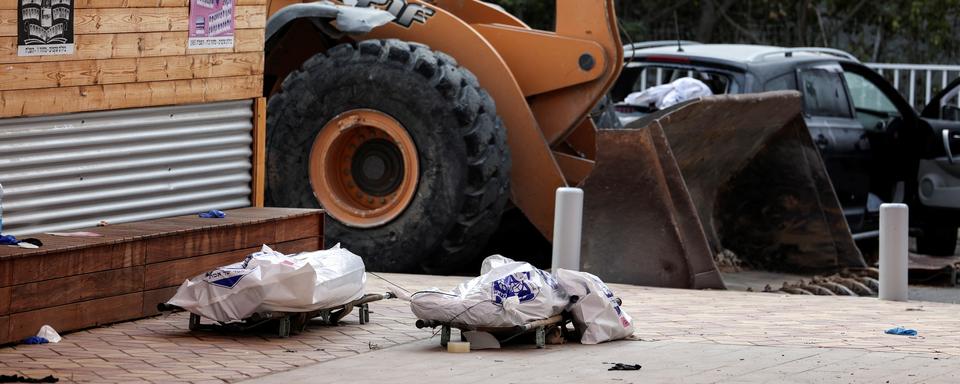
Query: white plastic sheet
x=47, y=332
x=271, y=281
x=596, y=312
x=668, y=95
x=351, y=19
x=506, y=294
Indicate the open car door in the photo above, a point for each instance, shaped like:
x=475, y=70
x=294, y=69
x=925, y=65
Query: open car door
x=939, y=172
x=939, y=175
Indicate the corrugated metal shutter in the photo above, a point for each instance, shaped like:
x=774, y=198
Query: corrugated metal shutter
x=72, y=171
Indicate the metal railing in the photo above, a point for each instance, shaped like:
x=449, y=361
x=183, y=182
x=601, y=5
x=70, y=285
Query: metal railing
x=918, y=83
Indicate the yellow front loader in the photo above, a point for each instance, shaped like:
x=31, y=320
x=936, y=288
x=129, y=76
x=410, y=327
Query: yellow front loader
x=415, y=124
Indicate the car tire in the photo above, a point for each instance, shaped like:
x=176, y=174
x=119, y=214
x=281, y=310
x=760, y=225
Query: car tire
x=938, y=241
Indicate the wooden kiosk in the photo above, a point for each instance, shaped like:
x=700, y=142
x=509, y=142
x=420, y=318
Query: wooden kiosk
x=137, y=132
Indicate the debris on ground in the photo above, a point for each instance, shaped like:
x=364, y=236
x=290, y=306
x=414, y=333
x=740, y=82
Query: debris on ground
x=934, y=270
x=458, y=347
x=728, y=261
x=35, y=340
x=862, y=282
x=30, y=243
x=901, y=331
x=624, y=367
x=47, y=332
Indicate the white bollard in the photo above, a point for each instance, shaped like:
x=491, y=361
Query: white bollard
x=894, y=243
x=567, y=220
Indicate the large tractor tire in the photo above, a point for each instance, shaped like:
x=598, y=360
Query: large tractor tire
x=401, y=147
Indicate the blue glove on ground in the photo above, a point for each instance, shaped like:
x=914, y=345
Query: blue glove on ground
x=214, y=214
x=8, y=240
x=901, y=331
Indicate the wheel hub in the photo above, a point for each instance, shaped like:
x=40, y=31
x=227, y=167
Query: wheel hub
x=364, y=168
x=377, y=167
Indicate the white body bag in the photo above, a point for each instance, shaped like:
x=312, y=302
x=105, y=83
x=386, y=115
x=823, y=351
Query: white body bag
x=596, y=311
x=270, y=281
x=506, y=294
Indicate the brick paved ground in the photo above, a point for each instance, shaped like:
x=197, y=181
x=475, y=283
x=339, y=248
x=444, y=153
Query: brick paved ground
x=161, y=349
x=742, y=318
x=424, y=362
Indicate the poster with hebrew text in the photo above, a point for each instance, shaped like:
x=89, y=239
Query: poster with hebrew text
x=44, y=27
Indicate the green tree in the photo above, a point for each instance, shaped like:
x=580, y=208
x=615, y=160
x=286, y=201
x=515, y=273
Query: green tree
x=920, y=31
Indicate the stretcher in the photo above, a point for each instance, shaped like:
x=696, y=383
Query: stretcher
x=503, y=334
x=287, y=322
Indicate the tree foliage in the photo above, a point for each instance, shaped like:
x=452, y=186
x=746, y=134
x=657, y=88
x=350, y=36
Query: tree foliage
x=918, y=31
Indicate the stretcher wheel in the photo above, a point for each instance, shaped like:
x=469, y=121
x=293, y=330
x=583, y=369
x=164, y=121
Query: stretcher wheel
x=364, y=314
x=299, y=323
x=284, y=327
x=194, y=323
x=444, y=335
x=541, y=336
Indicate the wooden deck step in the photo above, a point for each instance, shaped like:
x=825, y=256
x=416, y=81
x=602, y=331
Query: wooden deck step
x=73, y=283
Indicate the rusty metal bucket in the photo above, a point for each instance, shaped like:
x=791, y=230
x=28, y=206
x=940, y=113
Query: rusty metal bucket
x=725, y=172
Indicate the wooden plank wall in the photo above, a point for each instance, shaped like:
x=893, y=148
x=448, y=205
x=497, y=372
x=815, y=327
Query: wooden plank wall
x=77, y=283
x=130, y=53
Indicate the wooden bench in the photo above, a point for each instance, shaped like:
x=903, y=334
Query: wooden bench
x=74, y=283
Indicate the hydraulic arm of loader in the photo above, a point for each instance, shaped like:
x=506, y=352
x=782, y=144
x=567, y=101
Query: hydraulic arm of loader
x=544, y=83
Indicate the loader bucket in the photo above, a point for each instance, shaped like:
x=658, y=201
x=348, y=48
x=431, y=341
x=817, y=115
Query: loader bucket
x=727, y=172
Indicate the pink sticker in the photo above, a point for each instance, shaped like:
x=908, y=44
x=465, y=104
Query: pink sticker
x=211, y=24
